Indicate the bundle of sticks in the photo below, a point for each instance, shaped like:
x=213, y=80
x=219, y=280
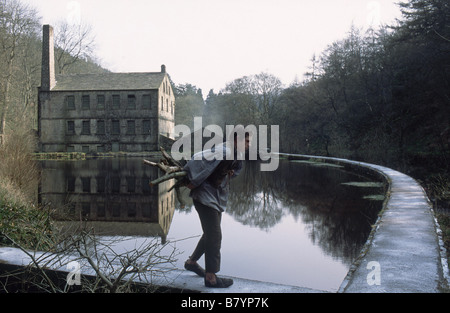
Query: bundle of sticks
x=172, y=169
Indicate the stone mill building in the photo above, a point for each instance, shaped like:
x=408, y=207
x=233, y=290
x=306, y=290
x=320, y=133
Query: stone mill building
x=108, y=112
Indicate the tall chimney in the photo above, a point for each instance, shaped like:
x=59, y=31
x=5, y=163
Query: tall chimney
x=163, y=68
x=48, y=80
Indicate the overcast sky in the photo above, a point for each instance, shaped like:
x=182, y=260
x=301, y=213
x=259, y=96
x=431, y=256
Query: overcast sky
x=209, y=43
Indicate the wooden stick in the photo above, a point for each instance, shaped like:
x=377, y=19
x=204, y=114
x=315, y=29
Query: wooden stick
x=167, y=177
x=173, y=169
x=169, y=158
x=162, y=166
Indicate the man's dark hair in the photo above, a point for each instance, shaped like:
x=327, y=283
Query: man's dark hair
x=247, y=133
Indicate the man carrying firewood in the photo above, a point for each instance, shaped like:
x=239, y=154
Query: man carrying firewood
x=209, y=173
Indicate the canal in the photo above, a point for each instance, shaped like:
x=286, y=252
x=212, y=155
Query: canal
x=301, y=225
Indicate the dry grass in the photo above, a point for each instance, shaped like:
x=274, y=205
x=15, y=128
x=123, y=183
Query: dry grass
x=20, y=216
x=19, y=173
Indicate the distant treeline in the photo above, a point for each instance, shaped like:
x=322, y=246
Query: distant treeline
x=381, y=96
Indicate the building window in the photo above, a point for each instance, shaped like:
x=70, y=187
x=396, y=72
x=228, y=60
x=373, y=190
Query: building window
x=146, y=189
x=100, y=127
x=86, y=183
x=85, y=102
x=131, y=184
x=131, y=209
x=131, y=128
x=116, y=101
x=70, y=100
x=101, y=212
x=131, y=102
x=116, y=209
x=85, y=149
x=101, y=184
x=146, y=102
x=86, y=129
x=71, y=184
x=85, y=209
x=115, y=184
x=146, y=127
x=100, y=102
x=70, y=128
x=162, y=104
x=146, y=209
x=115, y=127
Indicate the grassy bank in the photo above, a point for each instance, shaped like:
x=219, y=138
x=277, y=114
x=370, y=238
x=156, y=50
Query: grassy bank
x=21, y=219
x=22, y=223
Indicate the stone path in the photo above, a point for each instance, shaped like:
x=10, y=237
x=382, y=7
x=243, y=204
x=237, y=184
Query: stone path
x=406, y=253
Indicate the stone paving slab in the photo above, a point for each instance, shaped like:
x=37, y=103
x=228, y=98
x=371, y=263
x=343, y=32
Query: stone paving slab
x=188, y=280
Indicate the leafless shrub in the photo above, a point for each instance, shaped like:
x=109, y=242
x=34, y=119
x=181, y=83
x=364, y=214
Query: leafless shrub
x=100, y=267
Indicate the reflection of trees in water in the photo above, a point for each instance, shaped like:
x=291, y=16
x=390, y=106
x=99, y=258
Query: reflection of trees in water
x=253, y=201
x=338, y=218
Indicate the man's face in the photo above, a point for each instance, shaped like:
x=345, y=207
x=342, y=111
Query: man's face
x=247, y=142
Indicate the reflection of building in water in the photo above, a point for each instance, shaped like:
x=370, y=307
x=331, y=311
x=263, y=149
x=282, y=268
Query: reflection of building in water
x=113, y=196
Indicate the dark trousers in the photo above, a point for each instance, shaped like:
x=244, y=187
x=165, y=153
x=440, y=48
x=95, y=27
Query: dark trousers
x=211, y=240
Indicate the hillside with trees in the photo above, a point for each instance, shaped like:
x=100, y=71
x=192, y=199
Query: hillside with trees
x=21, y=56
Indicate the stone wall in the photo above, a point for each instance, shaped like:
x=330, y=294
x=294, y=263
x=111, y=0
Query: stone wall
x=104, y=121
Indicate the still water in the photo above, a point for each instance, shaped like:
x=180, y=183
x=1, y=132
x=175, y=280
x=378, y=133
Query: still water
x=301, y=225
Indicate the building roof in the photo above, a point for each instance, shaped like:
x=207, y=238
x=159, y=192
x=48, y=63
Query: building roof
x=109, y=81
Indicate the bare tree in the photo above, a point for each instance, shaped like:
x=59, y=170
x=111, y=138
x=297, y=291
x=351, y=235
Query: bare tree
x=17, y=23
x=74, y=42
